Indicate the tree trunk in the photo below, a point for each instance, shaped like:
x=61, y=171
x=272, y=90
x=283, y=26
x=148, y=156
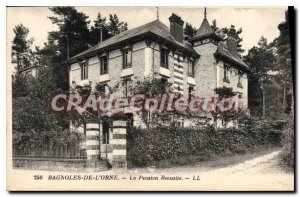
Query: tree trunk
x=18, y=66
x=284, y=96
x=263, y=100
x=292, y=98
x=278, y=102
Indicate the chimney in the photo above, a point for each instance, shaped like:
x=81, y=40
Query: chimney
x=176, y=27
x=100, y=28
x=232, y=42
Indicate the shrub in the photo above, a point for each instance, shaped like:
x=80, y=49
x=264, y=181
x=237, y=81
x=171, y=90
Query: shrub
x=287, y=156
x=149, y=146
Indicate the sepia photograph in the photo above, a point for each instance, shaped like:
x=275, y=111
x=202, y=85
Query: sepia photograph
x=161, y=98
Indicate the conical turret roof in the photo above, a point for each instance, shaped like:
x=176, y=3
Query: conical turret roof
x=205, y=29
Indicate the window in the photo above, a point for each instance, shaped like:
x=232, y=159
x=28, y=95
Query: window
x=191, y=66
x=126, y=58
x=178, y=59
x=225, y=79
x=126, y=83
x=239, y=85
x=84, y=70
x=191, y=89
x=164, y=60
x=103, y=65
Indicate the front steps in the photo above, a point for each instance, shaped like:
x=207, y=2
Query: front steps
x=98, y=165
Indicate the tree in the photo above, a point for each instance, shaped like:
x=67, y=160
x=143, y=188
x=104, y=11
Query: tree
x=115, y=26
x=229, y=114
x=21, y=47
x=214, y=26
x=95, y=31
x=189, y=31
x=288, y=139
x=20, y=86
x=261, y=60
x=73, y=35
x=223, y=33
x=34, y=122
x=284, y=63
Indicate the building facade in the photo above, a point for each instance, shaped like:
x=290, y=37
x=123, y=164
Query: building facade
x=193, y=67
x=199, y=65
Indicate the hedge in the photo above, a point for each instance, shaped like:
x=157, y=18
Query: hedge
x=147, y=146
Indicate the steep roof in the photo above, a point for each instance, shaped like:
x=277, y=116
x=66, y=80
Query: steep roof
x=155, y=27
x=223, y=52
x=205, y=29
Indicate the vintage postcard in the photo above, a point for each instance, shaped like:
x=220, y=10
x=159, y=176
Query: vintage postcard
x=150, y=98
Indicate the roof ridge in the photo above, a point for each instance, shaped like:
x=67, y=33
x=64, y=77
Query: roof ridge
x=155, y=27
x=124, y=32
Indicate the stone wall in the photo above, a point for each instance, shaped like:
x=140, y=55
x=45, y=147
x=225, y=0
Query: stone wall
x=205, y=70
x=232, y=75
x=115, y=70
x=170, y=71
x=145, y=62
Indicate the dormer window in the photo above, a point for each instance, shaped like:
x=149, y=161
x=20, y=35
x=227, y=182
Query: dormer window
x=127, y=55
x=164, y=57
x=191, y=67
x=103, y=65
x=84, y=70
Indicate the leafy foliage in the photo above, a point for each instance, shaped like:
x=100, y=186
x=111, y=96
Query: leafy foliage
x=189, y=31
x=34, y=124
x=73, y=30
x=224, y=32
x=261, y=60
x=21, y=52
x=147, y=147
x=115, y=26
x=99, y=22
x=231, y=114
x=109, y=27
x=288, y=154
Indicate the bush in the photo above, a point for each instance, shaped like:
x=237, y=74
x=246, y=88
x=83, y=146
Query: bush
x=287, y=156
x=149, y=146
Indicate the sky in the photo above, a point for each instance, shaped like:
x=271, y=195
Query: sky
x=255, y=21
